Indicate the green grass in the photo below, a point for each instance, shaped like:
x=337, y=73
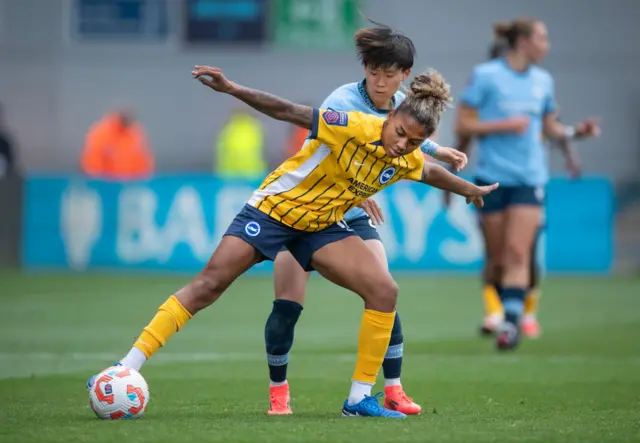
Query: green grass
x=579, y=383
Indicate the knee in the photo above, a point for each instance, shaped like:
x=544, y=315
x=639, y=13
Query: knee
x=203, y=290
x=280, y=326
x=517, y=254
x=291, y=292
x=385, y=295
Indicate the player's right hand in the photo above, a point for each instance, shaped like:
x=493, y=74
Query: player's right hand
x=518, y=124
x=480, y=191
x=212, y=77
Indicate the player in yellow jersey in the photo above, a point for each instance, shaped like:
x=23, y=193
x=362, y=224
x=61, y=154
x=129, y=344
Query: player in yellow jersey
x=387, y=57
x=301, y=204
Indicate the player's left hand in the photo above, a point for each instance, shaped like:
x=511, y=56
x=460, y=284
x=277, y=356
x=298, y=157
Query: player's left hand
x=588, y=128
x=373, y=211
x=453, y=156
x=478, y=192
x=212, y=77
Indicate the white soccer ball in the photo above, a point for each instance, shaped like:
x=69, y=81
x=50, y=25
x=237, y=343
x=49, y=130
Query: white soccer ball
x=119, y=392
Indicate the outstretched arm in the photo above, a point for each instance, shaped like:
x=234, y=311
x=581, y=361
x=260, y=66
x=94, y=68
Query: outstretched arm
x=268, y=104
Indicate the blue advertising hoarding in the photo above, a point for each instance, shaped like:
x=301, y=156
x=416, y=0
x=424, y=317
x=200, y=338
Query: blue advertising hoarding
x=175, y=222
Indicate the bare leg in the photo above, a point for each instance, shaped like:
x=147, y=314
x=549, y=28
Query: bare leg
x=232, y=258
x=351, y=264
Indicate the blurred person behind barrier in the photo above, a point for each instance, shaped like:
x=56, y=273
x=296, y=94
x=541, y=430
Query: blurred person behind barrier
x=116, y=148
x=240, y=147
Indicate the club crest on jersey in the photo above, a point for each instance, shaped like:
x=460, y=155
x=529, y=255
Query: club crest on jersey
x=387, y=175
x=252, y=229
x=335, y=118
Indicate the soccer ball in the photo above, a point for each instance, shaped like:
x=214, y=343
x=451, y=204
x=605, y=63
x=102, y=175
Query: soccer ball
x=119, y=392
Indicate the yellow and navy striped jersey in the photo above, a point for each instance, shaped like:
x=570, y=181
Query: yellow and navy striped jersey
x=341, y=165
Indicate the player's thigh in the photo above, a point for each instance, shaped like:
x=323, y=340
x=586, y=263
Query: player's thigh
x=521, y=229
x=289, y=279
x=492, y=225
x=377, y=248
x=251, y=237
x=352, y=264
x=232, y=258
x=366, y=230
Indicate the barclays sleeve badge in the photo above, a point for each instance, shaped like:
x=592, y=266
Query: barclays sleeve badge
x=335, y=118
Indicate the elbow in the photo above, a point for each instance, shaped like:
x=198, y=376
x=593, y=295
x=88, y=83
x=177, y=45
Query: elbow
x=432, y=173
x=463, y=129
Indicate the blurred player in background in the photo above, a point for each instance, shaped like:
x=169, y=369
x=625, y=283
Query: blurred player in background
x=301, y=205
x=494, y=313
x=387, y=58
x=507, y=105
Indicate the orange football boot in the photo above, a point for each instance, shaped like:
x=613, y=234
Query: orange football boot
x=395, y=399
x=279, y=400
x=531, y=327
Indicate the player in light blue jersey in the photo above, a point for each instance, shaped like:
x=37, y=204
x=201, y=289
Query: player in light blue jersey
x=494, y=313
x=387, y=58
x=508, y=105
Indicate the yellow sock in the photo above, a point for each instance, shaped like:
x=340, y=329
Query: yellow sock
x=170, y=318
x=492, y=303
x=375, y=333
x=531, y=302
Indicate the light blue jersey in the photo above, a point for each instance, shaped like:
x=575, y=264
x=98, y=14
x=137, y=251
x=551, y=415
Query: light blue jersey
x=354, y=97
x=498, y=92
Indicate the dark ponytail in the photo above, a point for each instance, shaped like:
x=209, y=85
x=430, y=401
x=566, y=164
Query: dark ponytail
x=508, y=33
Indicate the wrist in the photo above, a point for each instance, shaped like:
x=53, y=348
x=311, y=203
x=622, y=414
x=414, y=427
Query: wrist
x=570, y=133
x=431, y=148
x=469, y=190
x=234, y=88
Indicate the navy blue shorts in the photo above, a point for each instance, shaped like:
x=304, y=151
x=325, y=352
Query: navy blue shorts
x=364, y=228
x=268, y=236
x=506, y=196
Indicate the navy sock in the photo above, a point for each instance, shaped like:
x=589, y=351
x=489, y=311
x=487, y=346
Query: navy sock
x=278, y=337
x=392, y=364
x=513, y=302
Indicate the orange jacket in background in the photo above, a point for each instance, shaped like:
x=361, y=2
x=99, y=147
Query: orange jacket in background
x=116, y=152
x=296, y=139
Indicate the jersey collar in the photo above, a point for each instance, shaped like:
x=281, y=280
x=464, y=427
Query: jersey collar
x=365, y=96
x=506, y=64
